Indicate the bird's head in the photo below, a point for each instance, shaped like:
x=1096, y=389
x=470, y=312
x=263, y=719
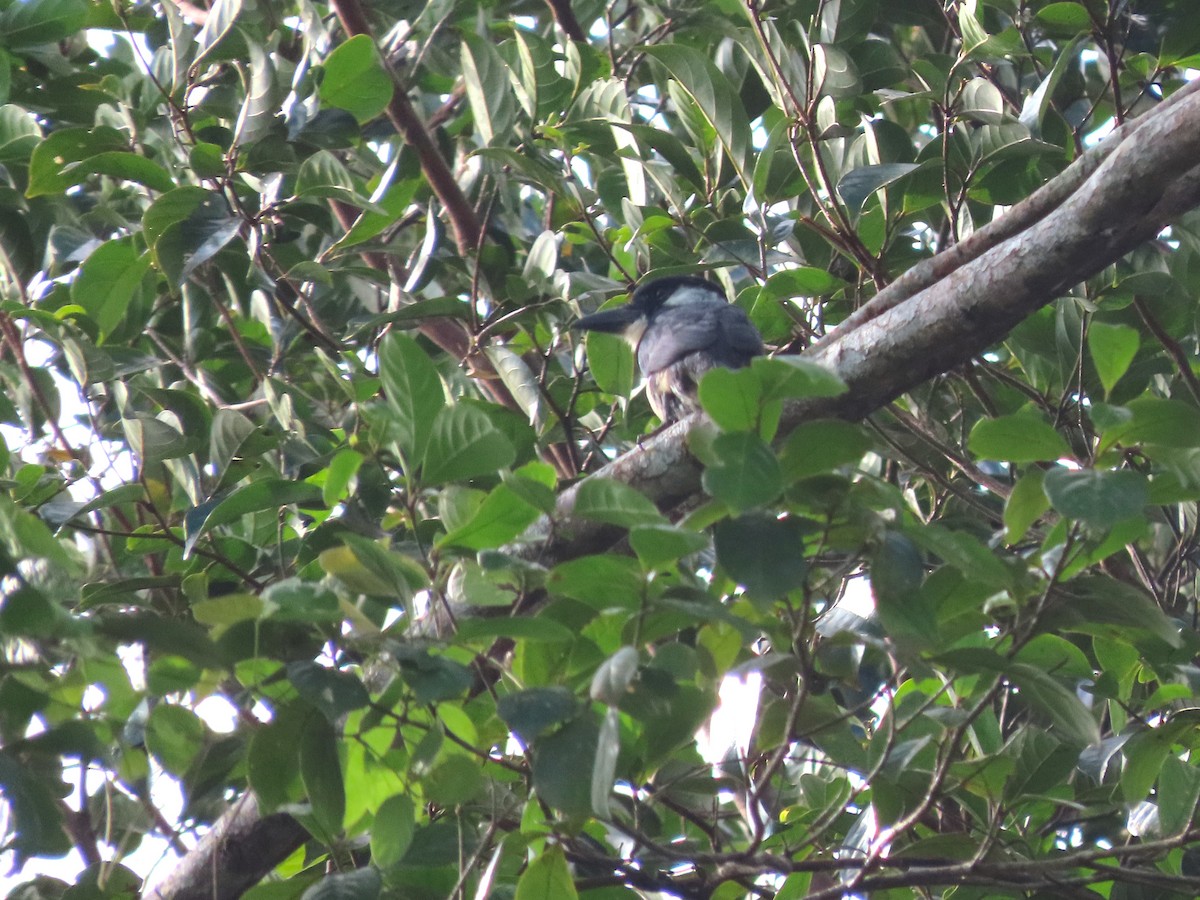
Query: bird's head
x=631, y=320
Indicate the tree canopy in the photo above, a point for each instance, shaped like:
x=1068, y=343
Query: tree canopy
x=293, y=419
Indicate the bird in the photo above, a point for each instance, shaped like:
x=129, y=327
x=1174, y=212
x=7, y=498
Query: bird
x=680, y=326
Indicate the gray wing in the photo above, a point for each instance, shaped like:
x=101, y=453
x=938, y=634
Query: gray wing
x=717, y=328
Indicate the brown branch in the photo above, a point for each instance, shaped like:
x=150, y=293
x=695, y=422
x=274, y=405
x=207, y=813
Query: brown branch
x=468, y=231
x=1178, y=355
x=565, y=17
x=242, y=846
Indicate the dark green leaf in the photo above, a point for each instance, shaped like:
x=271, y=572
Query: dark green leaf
x=762, y=553
x=1097, y=497
x=332, y=692
x=858, y=184
x=533, y=711
x=321, y=772
x=1073, y=721
x=359, y=884
x=746, y=474
x=713, y=95
x=561, y=763
x=1167, y=423
x=252, y=498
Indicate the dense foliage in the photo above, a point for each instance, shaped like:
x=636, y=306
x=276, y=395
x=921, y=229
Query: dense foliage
x=287, y=366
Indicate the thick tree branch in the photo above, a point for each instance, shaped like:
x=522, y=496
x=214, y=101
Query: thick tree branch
x=242, y=847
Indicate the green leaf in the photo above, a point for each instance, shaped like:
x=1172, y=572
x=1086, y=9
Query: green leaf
x=464, y=444
x=185, y=246
x=802, y=281
x=180, y=205
x=1068, y=17
x=1022, y=437
x=34, y=22
x=172, y=675
x=559, y=759
x=823, y=446
x=334, y=693
x=714, y=96
x=359, y=884
x=339, y=475
x=1167, y=423
x=502, y=516
x=395, y=200
x=762, y=553
x=453, y=781
x=55, y=163
x=547, y=878
x=857, y=185
x=471, y=585
x=1113, y=348
x=371, y=568
x=613, y=678
x=392, y=831
x=746, y=473
x=614, y=503
x=604, y=770
x=1033, y=110
x=1098, y=497
x=534, y=711
x=601, y=582
x=270, y=493
x=208, y=160
x=413, y=389
x=1073, y=721
x=1025, y=505
x=107, y=281
x=1178, y=794
x=356, y=80
x=324, y=175
x=19, y=133
x=273, y=758
x=435, y=678
x=897, y=571
x=1096, y=604
x=175, y=735
x=611, y=362
x=37, y=824
x=732, y=398
x=489, y=88
x=321, y=773
x=795, y=377
x=660, y=545
x=218, y=26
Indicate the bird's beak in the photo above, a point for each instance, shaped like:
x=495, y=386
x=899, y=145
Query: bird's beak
x=617, y=320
